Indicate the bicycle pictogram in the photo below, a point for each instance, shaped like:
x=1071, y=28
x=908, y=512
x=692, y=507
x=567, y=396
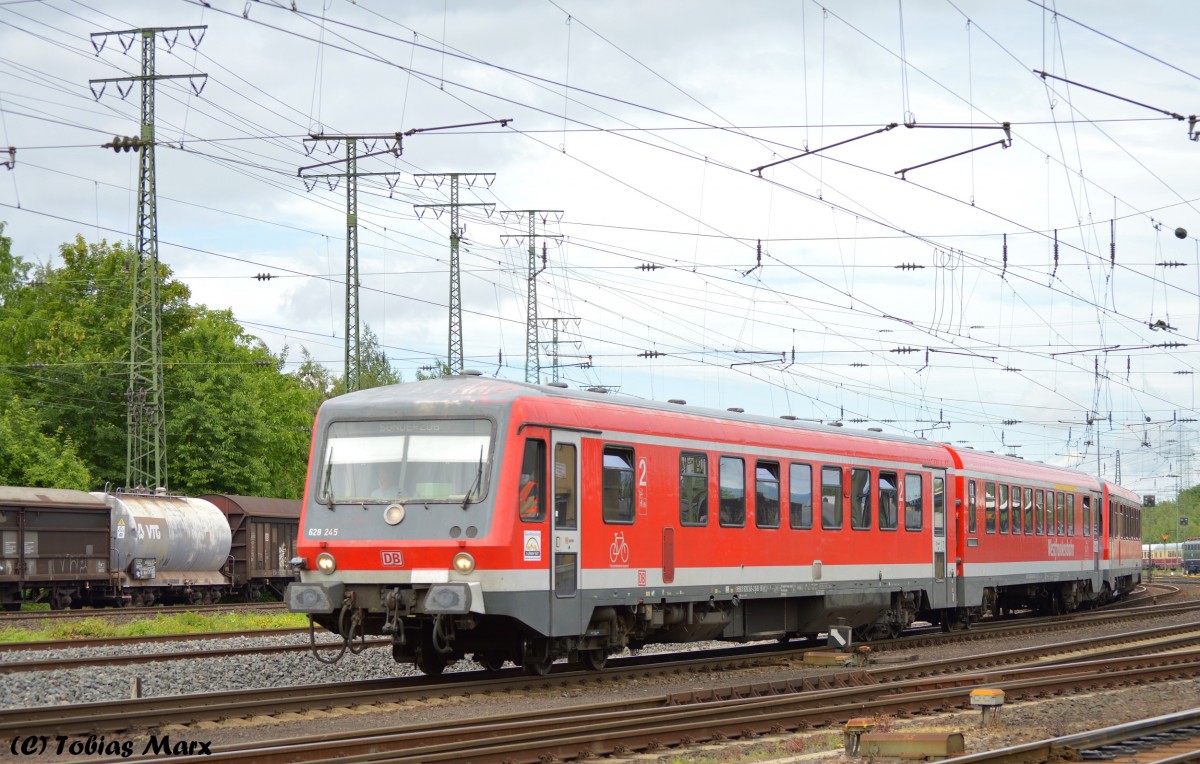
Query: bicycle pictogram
x=618, y=549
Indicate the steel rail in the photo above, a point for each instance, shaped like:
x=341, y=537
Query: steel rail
x=150, y=712
x=622, y=727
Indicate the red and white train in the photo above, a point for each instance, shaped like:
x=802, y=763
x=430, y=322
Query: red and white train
x=526, y=523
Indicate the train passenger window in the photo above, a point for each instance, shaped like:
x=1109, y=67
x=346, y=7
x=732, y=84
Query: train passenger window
x=530, y=506
x=831, y=498
x=800, y=511
x=565, y=515
x=1060, y=515
x=860, y=497
x=914, y=502
x=889, y=499
x=1028, y=511
x=693, y=489
x=939, y=517
x=972, y=507
x=618, y=484
x=1038, y=509
x=1070, y=514
x=733, y=492
x=1087, y=515
x=1016, y=509
x=1003, y=507
x=989, y=506
x=766, y=495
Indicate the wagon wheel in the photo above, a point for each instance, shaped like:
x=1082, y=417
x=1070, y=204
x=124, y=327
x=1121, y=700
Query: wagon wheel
x=594, y=660
x=536, y=659
x=428, y=660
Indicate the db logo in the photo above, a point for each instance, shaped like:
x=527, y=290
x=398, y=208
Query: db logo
x=392, y=559
x=641, y=578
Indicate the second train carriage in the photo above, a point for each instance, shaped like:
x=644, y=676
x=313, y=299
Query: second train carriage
x=527, y=523
x=1190, y=555
x=263, y=541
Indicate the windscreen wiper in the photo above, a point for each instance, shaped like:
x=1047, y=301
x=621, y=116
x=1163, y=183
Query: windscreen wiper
x=327, y=482
x=478, y=480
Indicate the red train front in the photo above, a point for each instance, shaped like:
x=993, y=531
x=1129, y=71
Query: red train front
x=515, y=522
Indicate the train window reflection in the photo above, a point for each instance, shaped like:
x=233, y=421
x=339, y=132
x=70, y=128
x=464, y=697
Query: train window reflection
x=831, y=498
x=860, y=495
x=618, y=486
x=989, y=506
x=914, y=502
x=766, y=495
x=693, y=489
x=428, y=461
x=1028, y=511
x=889, y=497
x=733, y=491
x=800, y=490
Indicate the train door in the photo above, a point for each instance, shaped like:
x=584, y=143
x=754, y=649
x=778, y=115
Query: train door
x=565, y=546
x=1096, y=510
x=943, y=576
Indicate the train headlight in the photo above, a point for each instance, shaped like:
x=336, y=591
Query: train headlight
x=464, y=563
x=325, y=563
x=393, y=514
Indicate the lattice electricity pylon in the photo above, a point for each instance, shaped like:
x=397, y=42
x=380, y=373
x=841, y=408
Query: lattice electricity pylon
x=553, y=323
x=145, y=417
x=532, y=361
x=393, y=143
x=454, y=352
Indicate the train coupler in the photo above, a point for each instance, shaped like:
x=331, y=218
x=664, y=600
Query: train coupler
x=392, y=604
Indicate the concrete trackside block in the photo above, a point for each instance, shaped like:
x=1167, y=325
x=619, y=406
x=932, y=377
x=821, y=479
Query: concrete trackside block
x=827, y=659
x=911, y=745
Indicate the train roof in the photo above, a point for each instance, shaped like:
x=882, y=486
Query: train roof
x=1123, y=493
x=442, y=396
x=254, y=506
x=982, y=461
x=446, y=396
x=12, y=495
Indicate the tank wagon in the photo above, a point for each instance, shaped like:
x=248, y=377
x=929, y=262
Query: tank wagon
x=75, y=549
x=527, y=523
x=264, y=540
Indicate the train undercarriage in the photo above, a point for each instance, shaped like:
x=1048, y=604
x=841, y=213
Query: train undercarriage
x=434, y=641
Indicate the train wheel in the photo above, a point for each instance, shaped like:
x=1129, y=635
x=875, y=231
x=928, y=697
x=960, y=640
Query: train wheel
x=428, y=660
x=594, y=659
x=536, y=659
x=490, y=661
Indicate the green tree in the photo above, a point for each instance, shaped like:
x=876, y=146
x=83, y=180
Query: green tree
x=375, y=370
x=29, y=457
x=236, y=422
x=1164, y=518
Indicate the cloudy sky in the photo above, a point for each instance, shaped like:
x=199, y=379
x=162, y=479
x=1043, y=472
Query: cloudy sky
x=1030, y=297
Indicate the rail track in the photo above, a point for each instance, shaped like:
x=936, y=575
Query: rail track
x=1170, y=738
x=659, y=722
x=146, y=713
x=918, y=638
